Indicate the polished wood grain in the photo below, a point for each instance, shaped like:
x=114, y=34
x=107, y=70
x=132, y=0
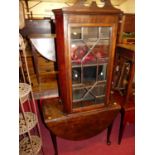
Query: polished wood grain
x=127, y=25
x=77, y=126
x=38, y=26
x=85, y=19
x=63, y=78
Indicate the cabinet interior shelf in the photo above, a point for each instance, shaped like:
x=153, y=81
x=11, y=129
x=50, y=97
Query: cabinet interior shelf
x=89, y=39
x=87, y=85
x=77, y=64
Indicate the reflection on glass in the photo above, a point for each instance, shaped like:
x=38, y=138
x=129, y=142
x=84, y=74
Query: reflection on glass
x=89, y=74
x=90, y=33
x=99, y=90
x=101, y=50
x=104, y=32
x=76, y=75
x=78, y=93
x=102, y=72
x=76, y=33
x=78, y=50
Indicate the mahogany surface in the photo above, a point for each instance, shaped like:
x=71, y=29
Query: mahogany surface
x=78, y=15
x=38, y=26
x=77, y=126
x=127, y=25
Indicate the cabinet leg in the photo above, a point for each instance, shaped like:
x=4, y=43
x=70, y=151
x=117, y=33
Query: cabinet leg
x=54, y=140
x=121, y=129
x=109, y=133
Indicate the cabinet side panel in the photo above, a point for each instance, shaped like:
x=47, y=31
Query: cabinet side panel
x=111, y=61
x=62, y=67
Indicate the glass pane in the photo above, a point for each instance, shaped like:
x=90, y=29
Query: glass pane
x=78, y=51
x=89, y=58
x=99, y=90
x=77, y=94
x=101, y=49
x=89, y=74
x=89, y=49
x=76, y=75
x=76, y=33
x=102, y=71
x=90, y=33
x=104, y=32
x=90, y=36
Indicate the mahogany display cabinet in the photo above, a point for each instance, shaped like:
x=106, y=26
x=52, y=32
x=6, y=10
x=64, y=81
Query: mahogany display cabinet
x=85, y=41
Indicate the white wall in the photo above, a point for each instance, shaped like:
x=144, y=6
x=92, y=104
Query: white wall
x=128, y=6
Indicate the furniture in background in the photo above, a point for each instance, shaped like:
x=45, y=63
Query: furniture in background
x=40, y=54
x=38, y=26
x=123, y=83
x=85, y=39
x=39, y=35
x=123, y=78
x=126, y=32
x=44, y=44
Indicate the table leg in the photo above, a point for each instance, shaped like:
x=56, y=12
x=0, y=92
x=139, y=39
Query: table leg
x=121, y=129
x=109, y=133
x=54, y=140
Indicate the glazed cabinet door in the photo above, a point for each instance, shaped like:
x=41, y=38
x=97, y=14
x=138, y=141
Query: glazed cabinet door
x=86, y=39
x=90, y=50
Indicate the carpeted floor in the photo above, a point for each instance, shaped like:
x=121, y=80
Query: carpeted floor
x=93, y=146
